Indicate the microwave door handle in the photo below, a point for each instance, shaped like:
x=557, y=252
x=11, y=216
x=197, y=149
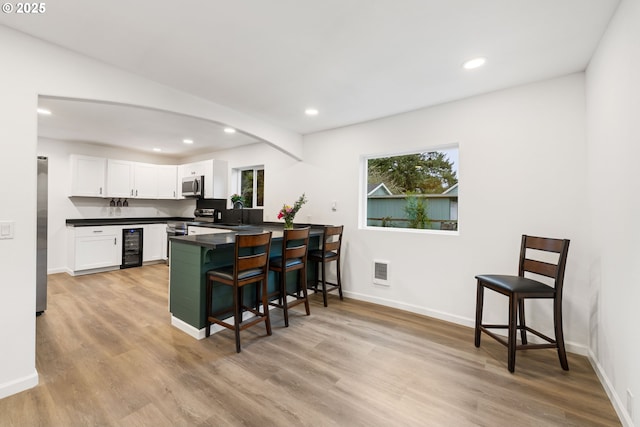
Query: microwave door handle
x=194, y=186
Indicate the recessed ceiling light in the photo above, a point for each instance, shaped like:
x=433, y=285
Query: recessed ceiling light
x=188, y=141
x=44, y=111
x=229, y=130
x=474, y=63
x=311, y=112
x=157, y=150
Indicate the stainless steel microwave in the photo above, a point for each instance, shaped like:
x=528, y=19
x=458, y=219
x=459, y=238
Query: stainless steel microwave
x=193, y=186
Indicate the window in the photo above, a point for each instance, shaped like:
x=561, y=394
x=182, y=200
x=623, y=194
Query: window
x=251, y=185
x=413, y=190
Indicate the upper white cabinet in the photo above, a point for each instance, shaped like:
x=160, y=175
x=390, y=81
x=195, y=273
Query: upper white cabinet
x=100, y=177
x=145, y=181
x=88, y=175
x=215, y=176
x=167, y=181
x=120, y=178
x=140, y=180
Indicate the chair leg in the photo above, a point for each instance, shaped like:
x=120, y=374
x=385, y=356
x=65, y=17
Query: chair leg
x=208, y=301
x=339, y=281
x=324, y=283
x=479, y=305
x=283, y=296
x=513, y=313
x=303, y=287
x=265, y=306
x=523, y=330
x=237, y=313
x=557, y=324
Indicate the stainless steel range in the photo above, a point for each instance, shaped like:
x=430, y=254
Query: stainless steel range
x=174, y=228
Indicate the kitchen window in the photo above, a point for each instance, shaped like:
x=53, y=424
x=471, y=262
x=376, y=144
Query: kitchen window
x=414, y=190
x=251, y=185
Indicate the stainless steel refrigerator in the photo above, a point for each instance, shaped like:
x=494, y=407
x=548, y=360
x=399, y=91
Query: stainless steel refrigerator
x=41, y=245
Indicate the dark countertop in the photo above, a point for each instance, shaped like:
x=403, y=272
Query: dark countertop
x=117, y=221
x=218, y=240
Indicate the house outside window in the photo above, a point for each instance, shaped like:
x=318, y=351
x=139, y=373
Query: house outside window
x=251, y=186
x=417, y=190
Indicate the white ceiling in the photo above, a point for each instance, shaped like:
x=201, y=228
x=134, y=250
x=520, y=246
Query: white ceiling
x=353, y=60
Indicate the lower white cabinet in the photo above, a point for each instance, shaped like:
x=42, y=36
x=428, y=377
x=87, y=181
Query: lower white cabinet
x=99, y=248
x=154, y=243
x=95, y=248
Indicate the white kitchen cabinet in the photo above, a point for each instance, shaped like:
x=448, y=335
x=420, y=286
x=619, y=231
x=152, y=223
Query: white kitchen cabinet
x=94, y=248
x=167, y=178
x=120, y=178
x=154, y=243
x=88, y=175
x=215, y=176
x=145, y=181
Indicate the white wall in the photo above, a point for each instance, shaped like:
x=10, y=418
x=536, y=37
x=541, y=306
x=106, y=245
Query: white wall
x=522, y=170
x=613, y=117
x=31, y=68
x=63, y=207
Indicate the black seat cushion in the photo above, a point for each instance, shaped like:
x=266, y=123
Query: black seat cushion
x=277, y=262
x=317, y=254
x=515, y=284
x=227, y=273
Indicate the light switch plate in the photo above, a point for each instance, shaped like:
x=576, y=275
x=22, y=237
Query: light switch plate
x=6, y=229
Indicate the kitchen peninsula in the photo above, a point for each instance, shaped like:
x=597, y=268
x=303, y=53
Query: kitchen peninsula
x=192, y=256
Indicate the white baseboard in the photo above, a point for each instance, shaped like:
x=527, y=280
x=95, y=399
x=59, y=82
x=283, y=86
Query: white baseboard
x=18, y=385
x=617, y=403
x=58, y=270
x=571, y=347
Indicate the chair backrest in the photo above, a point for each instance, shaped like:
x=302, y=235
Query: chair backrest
x=295, y=244
x=332, y=240
x=252, y=251
x=554, y=270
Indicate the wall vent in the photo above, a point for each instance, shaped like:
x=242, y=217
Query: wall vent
x=381, y=272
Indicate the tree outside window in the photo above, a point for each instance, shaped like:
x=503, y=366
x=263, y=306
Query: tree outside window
x=415, y=190
x=252, y=186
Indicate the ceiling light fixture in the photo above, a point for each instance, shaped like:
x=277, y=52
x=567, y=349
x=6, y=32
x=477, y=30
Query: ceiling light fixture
x=229, y=130
x=474, y=63
x=188, y=141
x=44, y=111
x=157, y=150
x=311, y=112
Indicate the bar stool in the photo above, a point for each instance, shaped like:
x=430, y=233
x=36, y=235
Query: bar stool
x=295, y=244
x=330, y=252
x=251, y=260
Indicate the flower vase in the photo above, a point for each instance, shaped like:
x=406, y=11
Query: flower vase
x=288, y=224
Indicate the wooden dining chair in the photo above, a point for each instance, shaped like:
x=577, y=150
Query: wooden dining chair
x=329, y=252
x=251, y=261
x=295, y=244
x=523, y=286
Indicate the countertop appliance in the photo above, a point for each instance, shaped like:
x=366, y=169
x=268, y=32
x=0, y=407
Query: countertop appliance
x=207, y=215
x=193, y=186
x=41, y=235
x=131, y=247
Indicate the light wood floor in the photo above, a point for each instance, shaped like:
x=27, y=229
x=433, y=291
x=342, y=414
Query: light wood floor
x=107, y=356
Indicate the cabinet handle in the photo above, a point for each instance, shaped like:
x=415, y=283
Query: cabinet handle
x=132, y=191
x=98, y=231
x=136, y=193
x=174, y=193
x=100, y=190
x=115, y=241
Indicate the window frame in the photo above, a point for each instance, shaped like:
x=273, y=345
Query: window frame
x=238, y=184
x=363, y=199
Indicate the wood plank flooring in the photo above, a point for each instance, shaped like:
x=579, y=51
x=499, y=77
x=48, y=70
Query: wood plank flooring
x=107, y=356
